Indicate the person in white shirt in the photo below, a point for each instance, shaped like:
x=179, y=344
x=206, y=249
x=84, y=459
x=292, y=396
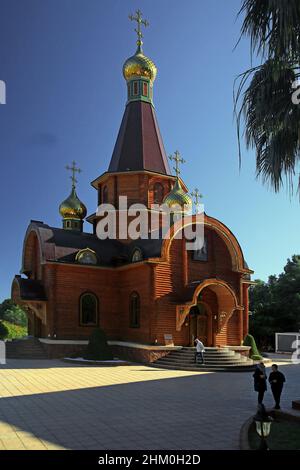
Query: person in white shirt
x=200, y=349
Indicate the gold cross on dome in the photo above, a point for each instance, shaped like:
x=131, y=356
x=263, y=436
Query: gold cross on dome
x=177, y=159
x=74, y=170
x=140, y=22
x=197, y=196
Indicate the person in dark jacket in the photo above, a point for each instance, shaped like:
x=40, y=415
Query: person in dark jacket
x=276, y=379
x=260, y=381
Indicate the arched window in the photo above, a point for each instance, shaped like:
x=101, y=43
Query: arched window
x=134, y=310
x=105, y=195
x=158, y=193
x=136, y=255
x=86, y=256
x=88, y=310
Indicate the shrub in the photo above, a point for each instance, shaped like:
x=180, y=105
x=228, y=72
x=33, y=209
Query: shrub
x=254, y=353
x=98, y=349
x=15, y=315
x=15, y=331
x=3, y=331
x=12, y=313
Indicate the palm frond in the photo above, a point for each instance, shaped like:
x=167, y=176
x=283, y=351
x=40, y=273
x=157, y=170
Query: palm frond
x=271, y=120
x=273, y=27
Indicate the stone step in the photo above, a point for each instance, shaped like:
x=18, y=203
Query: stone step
x=207, y=354
x=29, y=348
x=209, y=349
x=215, y=359
x=209, y=364
x=215, y=356
x=217, y=368
x=26, y=356
x=207, y=361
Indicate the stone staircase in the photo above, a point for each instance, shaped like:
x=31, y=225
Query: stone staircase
x=28, y=348
x=216, y=359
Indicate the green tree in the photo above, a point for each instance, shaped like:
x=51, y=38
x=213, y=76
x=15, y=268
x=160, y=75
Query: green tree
x=275, y=305
x=12, y=313
x=263, y=97
x=3, y=331
x=5, y=305
x=287, y=291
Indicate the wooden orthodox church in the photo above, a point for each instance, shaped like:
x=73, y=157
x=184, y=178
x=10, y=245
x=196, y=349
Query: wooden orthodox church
x=146, y=292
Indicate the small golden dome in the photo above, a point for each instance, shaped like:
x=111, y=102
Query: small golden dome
x=178, y=199
x=72, y=207
x=139, y=66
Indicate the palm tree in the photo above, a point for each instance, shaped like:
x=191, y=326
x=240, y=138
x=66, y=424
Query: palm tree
x=263, y=94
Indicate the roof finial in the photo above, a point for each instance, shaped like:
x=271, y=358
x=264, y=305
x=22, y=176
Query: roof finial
x=197, y=196
x=74, y=170
x=138, y=30
x=177, y=159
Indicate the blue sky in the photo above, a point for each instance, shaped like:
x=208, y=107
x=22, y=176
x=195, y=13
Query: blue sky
x=62, y=63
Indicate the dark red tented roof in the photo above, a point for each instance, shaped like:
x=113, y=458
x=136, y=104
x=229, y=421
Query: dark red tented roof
x=139, y=145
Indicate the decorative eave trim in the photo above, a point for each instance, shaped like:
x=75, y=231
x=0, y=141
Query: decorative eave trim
x=105, y=268
x=105, y=175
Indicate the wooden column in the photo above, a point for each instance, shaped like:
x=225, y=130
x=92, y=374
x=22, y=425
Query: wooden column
x=241, y=322
x=246, y=309
x=210, y=339
x=184, y=263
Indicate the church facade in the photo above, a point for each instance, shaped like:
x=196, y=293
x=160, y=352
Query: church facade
x=148, y=291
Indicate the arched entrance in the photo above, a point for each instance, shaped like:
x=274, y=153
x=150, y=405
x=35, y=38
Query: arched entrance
x=34, y=323
x=37, y=327
x=198, y=321
x=208, y=315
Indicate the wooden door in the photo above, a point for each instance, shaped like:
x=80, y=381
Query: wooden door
x=193, y=329
x=202, y=328
x=37, y=327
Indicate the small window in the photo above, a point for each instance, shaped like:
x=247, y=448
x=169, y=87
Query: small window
x=86, y=256
x=128, y=88
x=136, y=255
x=158, y=193
x=135, y=88
x=88, y=310
x=145, y=89
x=134, y=310
x=202, y=253
x=105, y=195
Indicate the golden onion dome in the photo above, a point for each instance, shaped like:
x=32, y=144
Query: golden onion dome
x=178, y=199
x=72, y=207
x=139, y=66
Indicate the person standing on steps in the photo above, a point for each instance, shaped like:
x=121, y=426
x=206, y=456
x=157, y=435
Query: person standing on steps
x=260, y=381
x=276, y=379
x=200, y=350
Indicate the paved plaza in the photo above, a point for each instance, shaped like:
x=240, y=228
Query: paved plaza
x=48, y=404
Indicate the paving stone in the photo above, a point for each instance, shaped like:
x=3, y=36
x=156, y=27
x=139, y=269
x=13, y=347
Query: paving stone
x=52, y=405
